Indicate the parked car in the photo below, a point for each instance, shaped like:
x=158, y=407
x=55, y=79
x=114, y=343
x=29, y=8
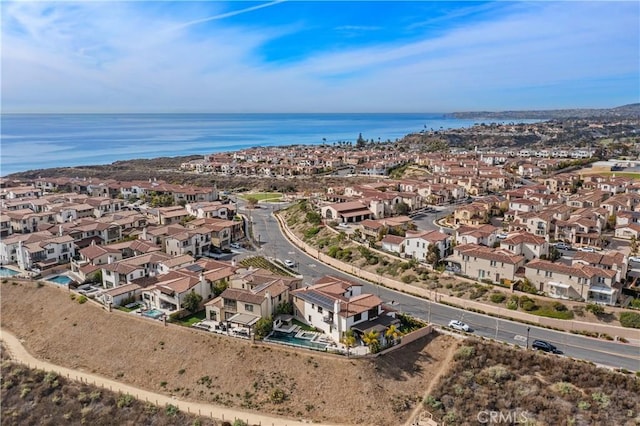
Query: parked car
x=234, y=245
x=459, y=325
x=289, y=263
x=343, y=225
x=502, y=236
x=587, y=249
x=634, y=259
x=562, y=246
x=541, y=345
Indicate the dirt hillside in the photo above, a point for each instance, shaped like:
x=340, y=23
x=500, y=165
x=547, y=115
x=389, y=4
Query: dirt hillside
x=195, y=365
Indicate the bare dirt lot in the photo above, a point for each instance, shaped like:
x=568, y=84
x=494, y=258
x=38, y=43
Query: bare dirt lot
x=199, y=366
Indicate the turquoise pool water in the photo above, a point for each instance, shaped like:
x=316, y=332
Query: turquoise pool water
x=7, y=272
x=60, y=279
x=291, y=340
x=153, y=313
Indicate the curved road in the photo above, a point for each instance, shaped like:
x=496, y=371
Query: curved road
x=20, y=354
x=612, y=354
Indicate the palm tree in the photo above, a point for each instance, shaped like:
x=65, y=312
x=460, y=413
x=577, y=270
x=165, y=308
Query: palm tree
x=393, y=333
x=349, y=340
x=371, y=339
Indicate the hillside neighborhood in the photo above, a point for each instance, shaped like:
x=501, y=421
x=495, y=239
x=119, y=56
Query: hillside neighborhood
x=150, y=244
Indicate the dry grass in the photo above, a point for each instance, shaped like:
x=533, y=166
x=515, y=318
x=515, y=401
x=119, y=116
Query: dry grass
x=35, y=397
x=546, y=389
x=198, y=366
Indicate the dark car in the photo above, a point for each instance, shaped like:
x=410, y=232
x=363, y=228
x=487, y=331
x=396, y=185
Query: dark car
x=541, y=345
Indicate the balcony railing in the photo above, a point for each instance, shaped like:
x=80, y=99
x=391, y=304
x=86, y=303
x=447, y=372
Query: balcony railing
x=328, y=319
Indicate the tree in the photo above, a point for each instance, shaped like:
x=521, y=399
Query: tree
x=252, y=202
x=392, y=333
x=349, y=340
x=219, y=287
x=371, y=339
x=633, y=246
x=191, y=302
x=263, y=327
x=361, y=142
x=402, y=208
x=433, y=255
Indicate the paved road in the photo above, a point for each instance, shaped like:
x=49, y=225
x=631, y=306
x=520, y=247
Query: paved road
x=618, y=355
x=20, y=354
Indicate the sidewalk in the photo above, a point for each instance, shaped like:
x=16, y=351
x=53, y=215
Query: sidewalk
x=18, y=353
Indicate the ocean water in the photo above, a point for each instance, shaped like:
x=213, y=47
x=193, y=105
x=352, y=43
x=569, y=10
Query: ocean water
x=40, y=141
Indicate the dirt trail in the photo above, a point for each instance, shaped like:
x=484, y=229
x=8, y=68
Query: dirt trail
x=18, y=353
x=445, y=366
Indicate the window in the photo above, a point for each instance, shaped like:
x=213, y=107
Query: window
x=493, y=263
x=319, y=309
x=357, y=317
x=248, y=307
x=548, y=273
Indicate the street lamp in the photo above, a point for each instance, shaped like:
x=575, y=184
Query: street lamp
x=528, y=330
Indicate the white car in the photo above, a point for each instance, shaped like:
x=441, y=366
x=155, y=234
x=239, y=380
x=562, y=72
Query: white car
x=587, y=249
x=343, y=225
x=289, y=263
x=234, y=245
x=634, y=259
x=459, y=325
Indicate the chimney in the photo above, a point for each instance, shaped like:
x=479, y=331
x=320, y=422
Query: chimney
x=109, y=259
x=144, y=233
x=60, y=230
x=267, y=296
x=93, y=242
x=233, y=262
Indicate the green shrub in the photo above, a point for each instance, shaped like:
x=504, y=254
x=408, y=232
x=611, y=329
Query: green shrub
x=529, y=305
x=82, y=299
x=408, y=278
x=595, y=309
x=558, y=306
x=277, y=396
x=172, y=410
x=124, y=400
x=630, y=319
x=512, y=305
x=497, y=297
x=311, y=232
x=465, y=352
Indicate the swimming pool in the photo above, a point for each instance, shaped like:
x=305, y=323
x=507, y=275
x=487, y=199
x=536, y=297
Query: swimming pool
x=7, y=272
x=153, y=313
x=60, y=279
x=291, y=340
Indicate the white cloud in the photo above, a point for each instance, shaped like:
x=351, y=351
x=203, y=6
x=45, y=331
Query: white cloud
x=120, y=56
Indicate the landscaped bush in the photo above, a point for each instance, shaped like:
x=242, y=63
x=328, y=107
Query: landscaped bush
x=630, y=319
x=311, y=232
x=497, y=297
x=595, y=309
x=559, y=306
x=407, y=279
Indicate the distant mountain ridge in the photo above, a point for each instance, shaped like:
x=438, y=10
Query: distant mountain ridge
x=624, y=111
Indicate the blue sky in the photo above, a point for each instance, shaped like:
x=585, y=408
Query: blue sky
x=301, y=56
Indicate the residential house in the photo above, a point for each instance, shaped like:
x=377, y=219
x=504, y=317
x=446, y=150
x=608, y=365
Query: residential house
x=416, y=244
x=484, y=263
x=579, y=281
x=526, y=244
x=335, y=306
